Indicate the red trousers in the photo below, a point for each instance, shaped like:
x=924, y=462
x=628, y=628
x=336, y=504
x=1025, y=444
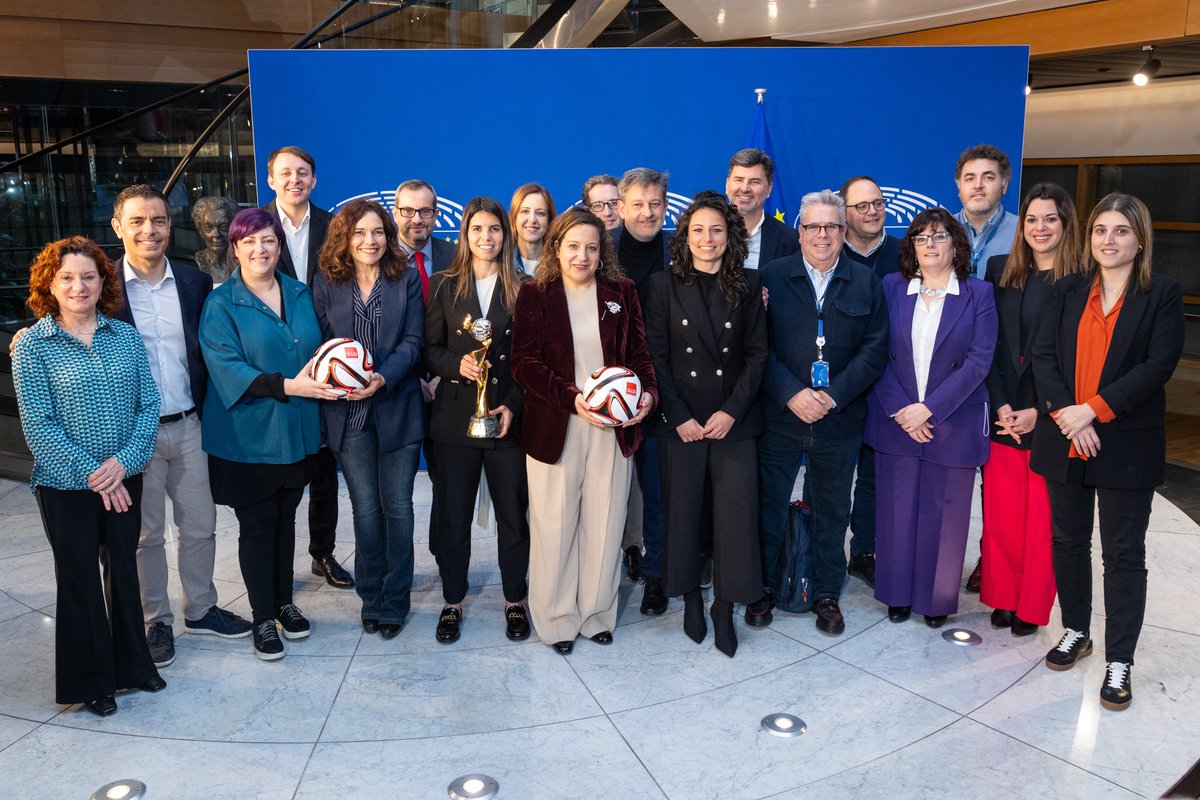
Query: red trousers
x=1018, y=573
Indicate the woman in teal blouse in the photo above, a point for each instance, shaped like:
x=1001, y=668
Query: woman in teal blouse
x=260, y=425
x=89, y=410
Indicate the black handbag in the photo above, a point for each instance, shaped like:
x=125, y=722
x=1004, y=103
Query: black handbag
x=797, y=566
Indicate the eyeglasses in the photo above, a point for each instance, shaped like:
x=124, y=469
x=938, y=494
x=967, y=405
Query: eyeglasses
x=941, y=237
x=600, y=205
x=831, y=228
x=867, y=205
x=408, y=213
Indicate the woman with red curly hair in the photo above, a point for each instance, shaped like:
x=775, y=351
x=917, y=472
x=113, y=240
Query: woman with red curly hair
x=89, y=410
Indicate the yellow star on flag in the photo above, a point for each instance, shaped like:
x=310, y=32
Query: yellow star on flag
x=779, y=215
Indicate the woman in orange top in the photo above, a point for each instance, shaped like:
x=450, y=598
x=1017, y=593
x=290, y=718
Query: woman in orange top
x=1112, y=337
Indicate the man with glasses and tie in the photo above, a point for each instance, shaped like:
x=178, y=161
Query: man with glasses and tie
x=292, y=173
x=748, y=185
x=829, y=332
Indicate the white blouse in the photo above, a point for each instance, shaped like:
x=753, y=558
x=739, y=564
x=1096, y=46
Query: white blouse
x=925, y=329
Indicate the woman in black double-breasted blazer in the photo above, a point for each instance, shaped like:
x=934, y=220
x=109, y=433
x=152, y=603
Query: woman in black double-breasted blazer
x=707, y=333
x=1111, y=340
x=482, y=274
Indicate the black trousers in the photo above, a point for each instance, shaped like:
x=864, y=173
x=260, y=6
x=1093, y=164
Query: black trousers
x=323, y=505
x=454, y=471
x=266, y=548
x=99, y=640
x=1124, y=517
x=732, y=469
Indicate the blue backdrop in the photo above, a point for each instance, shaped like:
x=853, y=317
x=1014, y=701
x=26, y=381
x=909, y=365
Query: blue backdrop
x=477, y=122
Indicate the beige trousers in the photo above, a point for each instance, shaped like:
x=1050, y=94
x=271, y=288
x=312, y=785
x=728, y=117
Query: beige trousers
x=576, y=518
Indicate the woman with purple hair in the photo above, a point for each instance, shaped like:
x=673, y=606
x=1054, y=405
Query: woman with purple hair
x=260, y=425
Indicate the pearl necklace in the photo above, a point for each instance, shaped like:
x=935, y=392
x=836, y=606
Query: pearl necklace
x=925, y=290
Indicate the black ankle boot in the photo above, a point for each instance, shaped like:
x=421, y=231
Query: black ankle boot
x=724, y=636
x=693, y=616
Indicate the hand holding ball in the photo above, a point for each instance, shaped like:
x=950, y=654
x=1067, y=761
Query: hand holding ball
x=343, y=364
x=613, y=394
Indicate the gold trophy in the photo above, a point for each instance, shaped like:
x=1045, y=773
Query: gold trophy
x=483, y=425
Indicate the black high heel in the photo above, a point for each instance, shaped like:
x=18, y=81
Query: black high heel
x=724, y=635
x=693, y=616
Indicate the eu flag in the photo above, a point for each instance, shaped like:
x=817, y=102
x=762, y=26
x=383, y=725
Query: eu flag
x=760, y=137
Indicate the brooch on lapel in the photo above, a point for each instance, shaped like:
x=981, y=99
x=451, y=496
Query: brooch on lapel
x=612, y=306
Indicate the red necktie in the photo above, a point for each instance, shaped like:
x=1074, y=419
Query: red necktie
x=420, y=257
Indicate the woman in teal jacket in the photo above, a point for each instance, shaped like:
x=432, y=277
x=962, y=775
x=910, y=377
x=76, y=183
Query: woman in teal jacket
x=260, y=427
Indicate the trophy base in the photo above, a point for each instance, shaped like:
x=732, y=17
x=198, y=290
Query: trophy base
x=484, y=428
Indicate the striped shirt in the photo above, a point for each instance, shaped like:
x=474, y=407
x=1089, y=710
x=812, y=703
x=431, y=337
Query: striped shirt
x=367, y=314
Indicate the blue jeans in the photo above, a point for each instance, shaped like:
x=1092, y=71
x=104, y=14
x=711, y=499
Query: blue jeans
x=862, y=517
x=381, y=490
x=645, y=458
x=830, y=473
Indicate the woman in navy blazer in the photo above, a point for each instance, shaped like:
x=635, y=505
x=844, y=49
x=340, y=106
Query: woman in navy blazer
x=928, y=418
x=578, y=314
x=1112, y=337
x=366, y=292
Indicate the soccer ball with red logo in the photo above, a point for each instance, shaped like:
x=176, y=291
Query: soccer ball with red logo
x=613, y=393
x=343, y=364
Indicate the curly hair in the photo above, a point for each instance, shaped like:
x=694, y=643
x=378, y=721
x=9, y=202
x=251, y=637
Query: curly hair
x=931, y=219
x=732, y=272
x=47, y=263
x=985, y=152
x=337, y=265
x=548, y=269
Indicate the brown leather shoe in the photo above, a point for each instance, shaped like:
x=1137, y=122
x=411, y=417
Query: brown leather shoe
x=758, y=613
x=829, y=616
x=976, y=578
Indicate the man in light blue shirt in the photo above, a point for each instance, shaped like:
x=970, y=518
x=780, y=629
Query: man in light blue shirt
x=982, y=175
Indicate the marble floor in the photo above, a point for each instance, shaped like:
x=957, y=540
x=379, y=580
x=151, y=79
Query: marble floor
x=892, y=710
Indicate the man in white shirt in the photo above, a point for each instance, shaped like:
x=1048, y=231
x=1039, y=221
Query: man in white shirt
x=748, y=185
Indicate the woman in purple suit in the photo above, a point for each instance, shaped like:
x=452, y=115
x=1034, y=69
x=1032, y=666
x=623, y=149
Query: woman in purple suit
x=928, y=418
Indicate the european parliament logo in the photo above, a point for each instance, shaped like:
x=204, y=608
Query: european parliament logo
x=446, y=224
x=902, y=205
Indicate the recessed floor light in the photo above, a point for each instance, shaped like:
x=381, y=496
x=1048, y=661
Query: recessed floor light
x=475, y=786
x=962, y=637
x=127, y=789
x=784, y=725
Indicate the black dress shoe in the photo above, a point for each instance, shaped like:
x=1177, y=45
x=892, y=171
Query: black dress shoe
x=389, y=630
x=693, y=616
x=936, y=621
x=863, y=568
x=104, y=707
x=516, y=623
x=633, y=562
x=333, y=573
x=724, y=634
x=1022, y=628
x=370, y=626
x=448, y=625
x=153, y=684
x=758, y=613
x=564, y=648
x=654, y=599
x=899, y=613
x=975, y=579
x=829, y=616
x=603, y=637
x=1002, y=618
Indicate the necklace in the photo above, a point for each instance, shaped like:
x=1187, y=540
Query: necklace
x=63, y=326
x=925, y=290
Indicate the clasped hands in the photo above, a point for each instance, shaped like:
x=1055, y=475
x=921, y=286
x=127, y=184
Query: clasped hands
x=913, y=419
x=1075, y=423
x=108, y=481
x=811, y=405
x=1015, y=423
x=717, y=427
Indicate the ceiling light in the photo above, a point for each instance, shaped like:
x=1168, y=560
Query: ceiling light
x=772, y=9
x=1149, y=69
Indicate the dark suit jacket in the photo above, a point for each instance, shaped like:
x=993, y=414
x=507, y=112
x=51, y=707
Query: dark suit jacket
x=443, y=254
x=318, y=226
x=446, y=343
x=193, y=287
x=778, y=240
x=1146, y=344
x=543, y=360
x=1010, y=380
x=955, y=391
x=700, y=371
x=399, y=417
x=856, y=333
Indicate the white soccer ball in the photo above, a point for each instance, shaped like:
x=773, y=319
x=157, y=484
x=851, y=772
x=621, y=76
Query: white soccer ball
x=343, y=364
x=613, y=393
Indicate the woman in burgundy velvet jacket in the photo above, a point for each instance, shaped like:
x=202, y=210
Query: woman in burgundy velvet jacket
x=578, y=315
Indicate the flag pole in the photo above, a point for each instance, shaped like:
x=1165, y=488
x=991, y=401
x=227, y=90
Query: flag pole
x=762, y=93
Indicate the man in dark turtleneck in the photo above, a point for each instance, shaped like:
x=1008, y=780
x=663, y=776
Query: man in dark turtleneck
x=643, y=250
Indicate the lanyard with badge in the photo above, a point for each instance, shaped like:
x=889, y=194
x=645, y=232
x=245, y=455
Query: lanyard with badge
x=820, y=367
x=978, y=247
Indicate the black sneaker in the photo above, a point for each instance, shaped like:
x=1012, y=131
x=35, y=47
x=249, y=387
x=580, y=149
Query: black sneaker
x=1070, y=648
x=863, y=568
x=654, y=600
x=294, y=625
x=218, y=622
x=1117, y=692
x=161, y=641
x=633, y=562
x=267, y=645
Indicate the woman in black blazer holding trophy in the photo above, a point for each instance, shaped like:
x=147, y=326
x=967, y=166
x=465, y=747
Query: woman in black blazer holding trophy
x=476, y=413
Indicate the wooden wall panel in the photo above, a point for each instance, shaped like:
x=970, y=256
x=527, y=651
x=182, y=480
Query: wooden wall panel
x=1193, y=18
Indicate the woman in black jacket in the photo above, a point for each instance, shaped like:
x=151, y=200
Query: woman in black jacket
x=1111, y=340
x=707, y=333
